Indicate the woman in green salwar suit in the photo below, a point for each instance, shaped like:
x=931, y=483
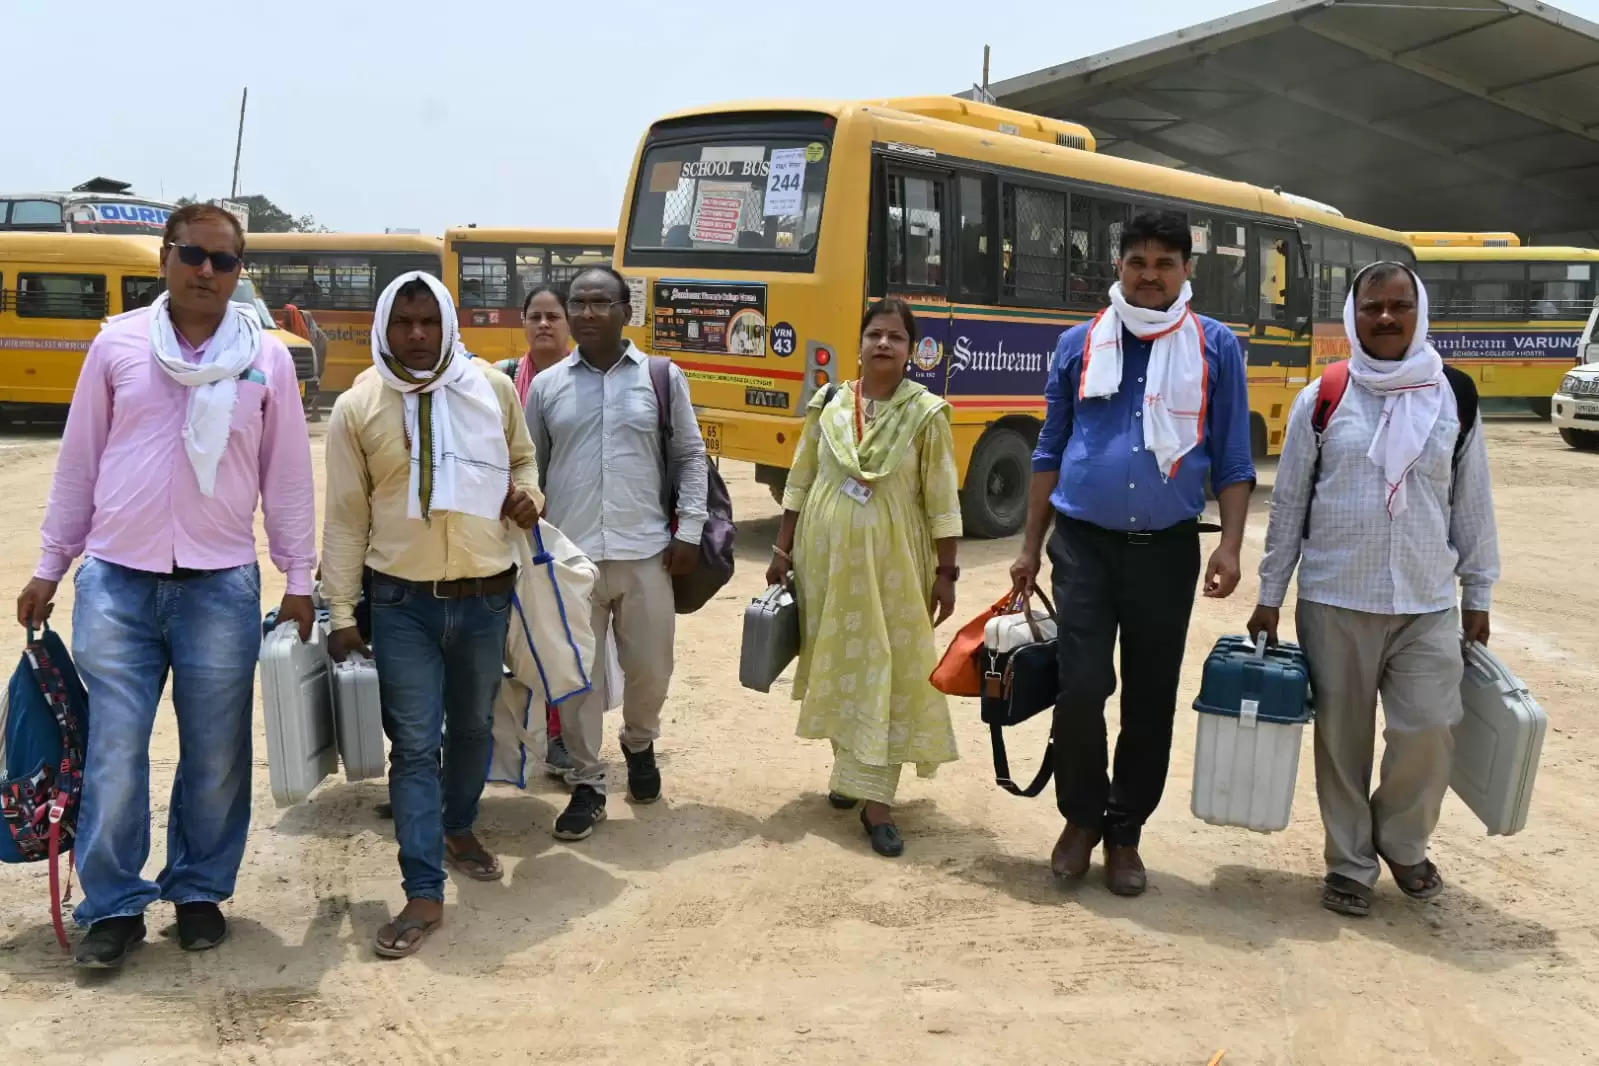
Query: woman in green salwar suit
x=871, y=517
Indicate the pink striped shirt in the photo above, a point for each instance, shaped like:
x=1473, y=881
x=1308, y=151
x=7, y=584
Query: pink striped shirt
x=124, y=491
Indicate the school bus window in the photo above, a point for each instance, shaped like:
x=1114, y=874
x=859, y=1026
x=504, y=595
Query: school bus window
x=568, y=263
x=1559, y=290
x=1221, y=271
x=1273, y=279
x=140, y=292
x=29, y=213
x=61, y=295
x=973, y=235
x=486, y=278
x=1035, y=244
x=389, y=266
x=1362, y=254
x=915, y=232
x=1494, y=289
x=757, y=194
x=1096, y=236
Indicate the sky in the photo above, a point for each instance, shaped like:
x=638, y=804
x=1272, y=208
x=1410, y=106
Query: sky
x=425, y=115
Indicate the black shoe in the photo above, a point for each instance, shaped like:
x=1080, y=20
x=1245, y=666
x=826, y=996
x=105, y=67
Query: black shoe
x=841, y=802
x=108, y=942
x=586, y=811
x=886, y=840
x=201, y=926
x=384, y=810
x=643, y=779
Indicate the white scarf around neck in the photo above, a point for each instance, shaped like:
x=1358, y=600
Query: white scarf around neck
x=212, y=382
x=1174, y=385
x=470, y=460
x=1412, y=390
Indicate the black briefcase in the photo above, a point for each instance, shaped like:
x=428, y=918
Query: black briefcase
x=1021, y=678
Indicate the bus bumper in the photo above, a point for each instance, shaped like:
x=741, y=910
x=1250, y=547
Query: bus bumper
x=768, y=440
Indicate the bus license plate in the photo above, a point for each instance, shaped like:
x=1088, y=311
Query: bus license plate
x=1588, y=407
x=712, y=432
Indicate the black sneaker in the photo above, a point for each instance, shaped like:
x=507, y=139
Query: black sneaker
x=643, y=779
x=201, y=926
x=108, y=942
x=586, y=811
x=557, y=760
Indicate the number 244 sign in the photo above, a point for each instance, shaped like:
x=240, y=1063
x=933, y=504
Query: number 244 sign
x=785, y=182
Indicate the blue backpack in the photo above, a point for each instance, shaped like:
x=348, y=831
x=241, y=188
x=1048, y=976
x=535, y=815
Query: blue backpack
x=44, y=732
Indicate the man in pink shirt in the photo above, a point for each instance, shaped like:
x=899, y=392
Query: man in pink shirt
x=185, y=413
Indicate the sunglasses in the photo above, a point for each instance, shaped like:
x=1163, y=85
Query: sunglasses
x=193, y=255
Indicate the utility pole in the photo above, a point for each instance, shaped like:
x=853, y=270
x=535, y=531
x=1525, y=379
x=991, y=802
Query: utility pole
x=238, y=145
x=985, y=73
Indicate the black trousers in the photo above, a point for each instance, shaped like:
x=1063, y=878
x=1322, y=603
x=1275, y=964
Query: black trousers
x=1142, y=584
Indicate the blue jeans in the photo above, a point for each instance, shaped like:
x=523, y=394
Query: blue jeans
x=129, y=628
x=439, y=664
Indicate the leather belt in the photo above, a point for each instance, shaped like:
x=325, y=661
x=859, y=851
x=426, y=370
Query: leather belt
x=461, y=588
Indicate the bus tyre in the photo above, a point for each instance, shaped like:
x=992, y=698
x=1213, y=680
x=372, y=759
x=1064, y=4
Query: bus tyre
x=994, y=501
x=1542, y=407
x=1586, y=440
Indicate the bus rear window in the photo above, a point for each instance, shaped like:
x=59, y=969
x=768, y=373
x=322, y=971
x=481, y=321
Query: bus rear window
x=750, y=194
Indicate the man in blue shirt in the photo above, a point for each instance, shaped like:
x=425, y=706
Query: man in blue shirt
x=1146, y=404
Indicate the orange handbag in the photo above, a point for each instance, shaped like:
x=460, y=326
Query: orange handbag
x=959, y=672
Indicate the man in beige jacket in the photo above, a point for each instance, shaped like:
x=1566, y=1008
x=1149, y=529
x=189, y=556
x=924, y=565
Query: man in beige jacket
x=428, y=456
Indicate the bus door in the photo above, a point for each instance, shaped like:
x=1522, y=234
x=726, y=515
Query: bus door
x=1278, y=280
x=914, y=254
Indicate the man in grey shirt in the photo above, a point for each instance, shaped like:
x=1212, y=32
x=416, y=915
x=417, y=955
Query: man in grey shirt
x=1403, y=507
x=595, y=422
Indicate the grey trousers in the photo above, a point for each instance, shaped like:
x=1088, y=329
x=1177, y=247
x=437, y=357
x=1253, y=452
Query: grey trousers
x=1414, y=662
x=632, y=601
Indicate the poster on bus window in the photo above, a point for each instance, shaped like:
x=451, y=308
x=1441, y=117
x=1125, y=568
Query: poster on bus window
x=718, y=210
x=710, y=318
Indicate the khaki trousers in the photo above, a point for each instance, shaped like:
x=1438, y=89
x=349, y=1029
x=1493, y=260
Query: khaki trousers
x=1415, y=663
x=632, y=601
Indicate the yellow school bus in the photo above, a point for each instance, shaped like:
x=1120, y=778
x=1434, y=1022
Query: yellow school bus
x=1441, y=239
x=57, y=289
x=489, y=272
x=1511, y=317
x=754, y=234
x=337, y=277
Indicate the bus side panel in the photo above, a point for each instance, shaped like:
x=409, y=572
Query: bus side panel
x=1525, y=361
x=349, y=346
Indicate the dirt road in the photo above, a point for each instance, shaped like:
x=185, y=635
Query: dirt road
x=742, y=920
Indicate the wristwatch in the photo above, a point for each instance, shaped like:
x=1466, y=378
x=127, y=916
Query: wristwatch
x=951, y=572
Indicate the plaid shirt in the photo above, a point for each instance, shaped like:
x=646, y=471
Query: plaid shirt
x=1355, y=555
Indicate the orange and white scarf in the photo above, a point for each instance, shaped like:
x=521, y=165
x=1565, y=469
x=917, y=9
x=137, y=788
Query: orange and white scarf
x=1175, y=385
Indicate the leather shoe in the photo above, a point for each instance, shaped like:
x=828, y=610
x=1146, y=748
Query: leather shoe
x=1074, y=852
x=1124, y=870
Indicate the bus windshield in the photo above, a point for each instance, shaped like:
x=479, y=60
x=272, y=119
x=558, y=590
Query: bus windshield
x=731, y=194
x=245, y=294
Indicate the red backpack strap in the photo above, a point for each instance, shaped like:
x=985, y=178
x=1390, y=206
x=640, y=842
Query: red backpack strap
x=1329, y=394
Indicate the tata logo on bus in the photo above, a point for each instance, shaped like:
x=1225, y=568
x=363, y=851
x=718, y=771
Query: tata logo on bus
x=132, y=214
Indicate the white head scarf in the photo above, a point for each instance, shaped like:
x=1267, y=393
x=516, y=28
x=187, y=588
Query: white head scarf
x=1412, y=390
x=460, y=460
x=212, y=382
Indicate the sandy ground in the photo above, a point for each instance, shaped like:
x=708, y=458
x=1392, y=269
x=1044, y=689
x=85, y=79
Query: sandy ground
x=741, y=920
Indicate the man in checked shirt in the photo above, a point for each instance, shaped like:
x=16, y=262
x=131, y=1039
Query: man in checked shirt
x=1399, y=505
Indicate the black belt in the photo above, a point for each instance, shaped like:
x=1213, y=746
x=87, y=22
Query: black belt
x=461, y=588
x=179, y=573
x=1187, y=528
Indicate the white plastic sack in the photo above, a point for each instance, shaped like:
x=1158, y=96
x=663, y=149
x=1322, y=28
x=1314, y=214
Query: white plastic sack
x=520, y=729
x=550, y=645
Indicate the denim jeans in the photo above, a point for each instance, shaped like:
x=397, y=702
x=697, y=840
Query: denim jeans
x=129, y=628
x=439, y=667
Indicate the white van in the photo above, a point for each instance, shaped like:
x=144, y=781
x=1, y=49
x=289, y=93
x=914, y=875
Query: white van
x=1574, y=409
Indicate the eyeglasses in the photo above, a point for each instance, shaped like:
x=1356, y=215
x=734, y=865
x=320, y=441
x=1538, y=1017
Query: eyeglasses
x=541, y=317
x=599, y=307
x=193, y=255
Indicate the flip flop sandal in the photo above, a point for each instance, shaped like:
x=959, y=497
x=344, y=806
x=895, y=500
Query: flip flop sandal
x=479, y=865
x=1343, y=895
x=399, y=930
x=1424, y=874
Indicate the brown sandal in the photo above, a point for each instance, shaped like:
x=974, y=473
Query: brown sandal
x=398, y=930
x=1421, y=881
x=477, y=863
x=1343, y=895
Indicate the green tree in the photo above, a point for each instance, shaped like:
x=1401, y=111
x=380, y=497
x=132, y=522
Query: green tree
x=268, y=217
